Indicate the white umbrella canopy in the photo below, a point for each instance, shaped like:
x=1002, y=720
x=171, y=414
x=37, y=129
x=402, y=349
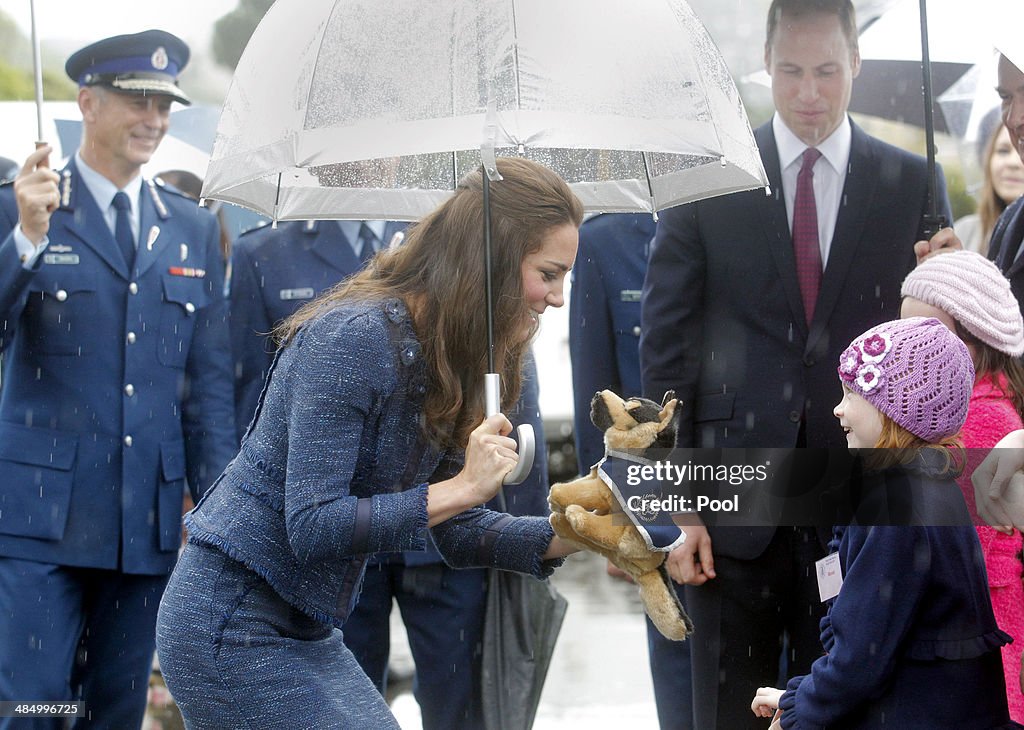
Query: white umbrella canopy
x=366, y=109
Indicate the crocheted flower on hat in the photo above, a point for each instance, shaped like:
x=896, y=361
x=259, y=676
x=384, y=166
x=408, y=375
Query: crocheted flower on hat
x=876, y=346
x=868, y=377
x=849, y=364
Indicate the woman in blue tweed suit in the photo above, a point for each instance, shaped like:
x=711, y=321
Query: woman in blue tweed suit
x=369, y=430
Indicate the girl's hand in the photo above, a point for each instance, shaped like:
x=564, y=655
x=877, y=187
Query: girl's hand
x=766, y=701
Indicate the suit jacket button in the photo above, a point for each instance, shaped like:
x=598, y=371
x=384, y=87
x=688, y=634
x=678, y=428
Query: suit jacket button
x=794, y=416
x=61, y=295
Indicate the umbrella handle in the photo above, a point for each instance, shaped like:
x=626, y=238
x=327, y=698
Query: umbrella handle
x=524, y=432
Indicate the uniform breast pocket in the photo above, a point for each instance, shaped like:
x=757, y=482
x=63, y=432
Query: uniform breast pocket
x=36, y=472
x=184, y=300
x=60, y=315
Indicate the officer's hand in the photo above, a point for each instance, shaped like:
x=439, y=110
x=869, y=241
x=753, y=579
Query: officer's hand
x=692, y=563
x=35, y=190
x=945, y=241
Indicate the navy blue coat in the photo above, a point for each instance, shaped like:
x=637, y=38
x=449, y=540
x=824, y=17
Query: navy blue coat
x=1005, y=244
x=604, y=318
x=274, y=272
x=116, y=385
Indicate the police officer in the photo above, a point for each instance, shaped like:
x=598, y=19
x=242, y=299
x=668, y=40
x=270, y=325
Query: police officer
x=274, y=272
x=116, y=390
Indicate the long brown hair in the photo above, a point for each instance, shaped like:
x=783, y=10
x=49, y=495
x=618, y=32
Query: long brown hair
x=439, y=273
x=994, y=363
x=990, y=205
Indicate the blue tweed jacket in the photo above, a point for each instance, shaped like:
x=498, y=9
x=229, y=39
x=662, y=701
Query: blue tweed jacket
x=335, y=468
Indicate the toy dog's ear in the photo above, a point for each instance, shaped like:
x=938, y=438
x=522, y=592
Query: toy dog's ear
x=666, y=416
x=669, y=395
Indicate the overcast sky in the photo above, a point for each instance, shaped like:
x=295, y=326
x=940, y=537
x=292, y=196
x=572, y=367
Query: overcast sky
x=87, y=20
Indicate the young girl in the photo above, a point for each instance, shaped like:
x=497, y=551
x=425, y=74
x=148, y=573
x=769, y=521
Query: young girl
x=910, y=638
x=967, y=293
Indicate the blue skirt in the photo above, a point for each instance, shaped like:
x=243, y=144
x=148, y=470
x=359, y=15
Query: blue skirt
x=236, y=655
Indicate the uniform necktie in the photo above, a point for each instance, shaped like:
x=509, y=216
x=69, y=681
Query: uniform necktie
x=368, y=237
x=123, y=228
x=805, y=234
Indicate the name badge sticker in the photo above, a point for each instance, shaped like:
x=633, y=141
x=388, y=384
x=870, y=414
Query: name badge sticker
x=291, y=294
x=830, y=576
x=630, y=295
x=64, y=259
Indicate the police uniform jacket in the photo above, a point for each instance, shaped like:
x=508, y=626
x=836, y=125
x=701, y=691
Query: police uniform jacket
x=116, y=384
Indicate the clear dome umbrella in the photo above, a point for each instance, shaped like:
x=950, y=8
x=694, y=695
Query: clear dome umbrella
x=362, y=109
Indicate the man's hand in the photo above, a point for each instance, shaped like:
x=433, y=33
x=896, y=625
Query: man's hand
x=692, y=563
x=35, y=190
x=945, y=241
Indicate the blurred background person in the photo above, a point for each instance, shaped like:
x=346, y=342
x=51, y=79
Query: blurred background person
x=1002, y=183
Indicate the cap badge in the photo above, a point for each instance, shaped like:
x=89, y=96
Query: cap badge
x=159, y=59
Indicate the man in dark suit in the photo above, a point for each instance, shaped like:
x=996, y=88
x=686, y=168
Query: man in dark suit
x=274, y=272
x=604, y=345
x=1005, y=247
x=115, y=392
x=748, y=302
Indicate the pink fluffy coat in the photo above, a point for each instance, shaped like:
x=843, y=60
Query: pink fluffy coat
x=991, y=416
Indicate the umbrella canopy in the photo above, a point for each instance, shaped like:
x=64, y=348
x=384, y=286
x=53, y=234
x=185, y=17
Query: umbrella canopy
x=890, y=82
x=383, y=107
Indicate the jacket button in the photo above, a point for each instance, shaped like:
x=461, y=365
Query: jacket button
x=794, y=416
x=128, y=441
x=133, y=288
x=636, y=330
x=190, y=307
x=129, y=390
x=131, y=338
x=809, y=361
x=61, y=295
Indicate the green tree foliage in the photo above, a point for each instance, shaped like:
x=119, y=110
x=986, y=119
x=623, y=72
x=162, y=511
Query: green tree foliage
x=232, y=31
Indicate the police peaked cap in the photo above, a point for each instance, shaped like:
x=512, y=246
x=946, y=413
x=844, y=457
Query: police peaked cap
x=146, y=63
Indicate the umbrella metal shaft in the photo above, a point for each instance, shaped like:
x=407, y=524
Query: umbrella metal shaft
x=488, y=290
x=37, y=65
x=933, y=221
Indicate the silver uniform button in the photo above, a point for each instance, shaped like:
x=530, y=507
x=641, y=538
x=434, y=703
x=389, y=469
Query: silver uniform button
x=133, y=288
x=61, y=295
x=190, y=307
x=636, y=330
x=127, y=440
x=129, y=390
x=131, y=338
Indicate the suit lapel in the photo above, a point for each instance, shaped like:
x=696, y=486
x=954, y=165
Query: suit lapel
x=775, y=224
x=1011, y=243
x=331, y=245
x=858, y=191
x=154, y=214
x=86, y=222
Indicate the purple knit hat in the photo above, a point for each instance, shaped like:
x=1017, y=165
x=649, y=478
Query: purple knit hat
x=974, y=292
x=915, y=371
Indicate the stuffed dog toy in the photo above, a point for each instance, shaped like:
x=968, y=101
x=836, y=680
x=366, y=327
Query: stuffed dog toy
x=588, y=514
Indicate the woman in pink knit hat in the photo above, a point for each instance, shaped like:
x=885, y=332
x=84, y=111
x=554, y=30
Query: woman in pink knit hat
x=910, y=639
x=967, y=293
